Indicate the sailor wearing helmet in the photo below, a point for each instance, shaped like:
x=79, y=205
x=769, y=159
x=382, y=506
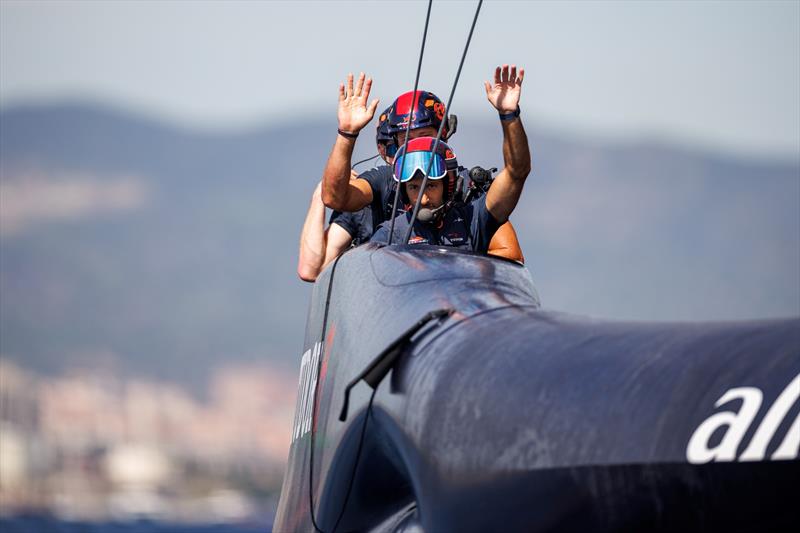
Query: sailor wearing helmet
x=472, y=225
x=375, y=187
x=318, y=245
x=441, y=220
x=423, y=113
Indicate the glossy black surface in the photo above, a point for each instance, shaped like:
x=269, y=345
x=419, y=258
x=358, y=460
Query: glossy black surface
x=505, y=417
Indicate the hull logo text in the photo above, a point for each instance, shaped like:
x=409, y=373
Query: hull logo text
x=309, y=369
x=736, y=424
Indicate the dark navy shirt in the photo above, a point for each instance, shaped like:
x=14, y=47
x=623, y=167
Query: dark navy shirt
x=360, y=224
x=382, y=182
x=469, y=226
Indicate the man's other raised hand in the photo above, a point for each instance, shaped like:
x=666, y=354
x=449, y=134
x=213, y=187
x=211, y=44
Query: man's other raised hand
x=504, y=93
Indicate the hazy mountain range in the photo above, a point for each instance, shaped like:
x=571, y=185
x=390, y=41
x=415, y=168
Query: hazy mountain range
x=154, y=250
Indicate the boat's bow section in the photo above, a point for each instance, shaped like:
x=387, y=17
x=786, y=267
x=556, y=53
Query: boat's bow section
x=501, y=416
x=360, y=304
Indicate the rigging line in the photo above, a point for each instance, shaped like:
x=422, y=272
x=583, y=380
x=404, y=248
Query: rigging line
x=441, y=128
x=367, y=414
x=408, y=124
x=314, y=402
x=365, y=160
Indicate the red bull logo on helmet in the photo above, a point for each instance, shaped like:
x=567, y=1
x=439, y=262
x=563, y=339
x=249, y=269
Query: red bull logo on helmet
x=404, y=122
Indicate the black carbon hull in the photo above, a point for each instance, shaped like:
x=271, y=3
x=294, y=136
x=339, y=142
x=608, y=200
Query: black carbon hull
x=505, y=417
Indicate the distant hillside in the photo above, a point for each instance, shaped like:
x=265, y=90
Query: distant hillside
x=134, y=244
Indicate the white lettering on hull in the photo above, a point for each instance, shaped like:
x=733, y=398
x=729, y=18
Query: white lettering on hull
x=698, y=450
x=306, y=391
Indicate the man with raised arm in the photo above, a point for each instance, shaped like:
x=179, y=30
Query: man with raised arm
x=472, y=225
x=425, y=112
x=318, y=245
x=353, y=115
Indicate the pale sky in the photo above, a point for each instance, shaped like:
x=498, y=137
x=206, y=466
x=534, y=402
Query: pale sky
x=723, y=75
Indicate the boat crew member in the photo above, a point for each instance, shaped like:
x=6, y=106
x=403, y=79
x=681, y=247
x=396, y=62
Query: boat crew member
x=375, y=187
x=471, y=225
x=320, y=246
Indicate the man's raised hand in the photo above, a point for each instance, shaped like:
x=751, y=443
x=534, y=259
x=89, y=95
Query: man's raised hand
x=504, y=93
x=354, y=113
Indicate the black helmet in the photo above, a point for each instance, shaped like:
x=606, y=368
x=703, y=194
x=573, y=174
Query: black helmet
x=383, y=138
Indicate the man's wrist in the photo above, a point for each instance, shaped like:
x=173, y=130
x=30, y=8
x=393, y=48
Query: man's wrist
x=510, y=116
x=347, y=134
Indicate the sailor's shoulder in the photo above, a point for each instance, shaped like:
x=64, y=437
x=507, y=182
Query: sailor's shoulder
x=379, y=172
x=384, y=170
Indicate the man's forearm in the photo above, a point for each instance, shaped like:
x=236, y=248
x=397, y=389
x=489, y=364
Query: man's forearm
x=336, y=176
x=516, y=152
x=312, y=240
